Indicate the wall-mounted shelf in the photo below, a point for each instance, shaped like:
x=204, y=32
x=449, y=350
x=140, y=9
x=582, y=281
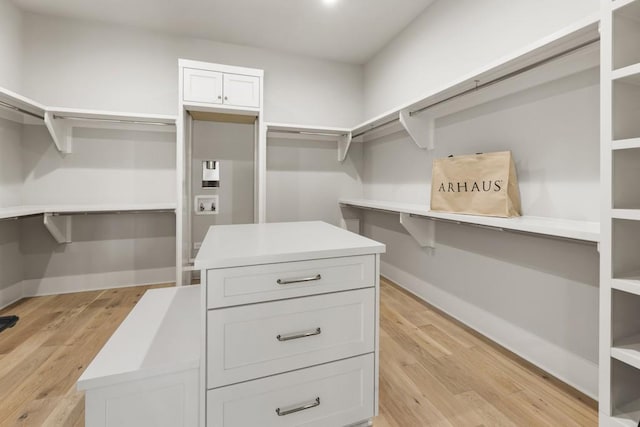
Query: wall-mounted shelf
x=629, y=74
x=57, y=219
x=20, y=109
x=625, y=144
x=617, y=4
x=629, y=283
x=628, y=351
x=553, y=227
x=20, y=211
x=510, y=74
x=630, y=214
x=342, y=136
x=61, y=121
x=559, y=55
x=627, y=415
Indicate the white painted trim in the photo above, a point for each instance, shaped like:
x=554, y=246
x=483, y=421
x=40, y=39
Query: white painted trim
x=96, y=281
x=568, y=367
x=11, y=294
x=223, y=68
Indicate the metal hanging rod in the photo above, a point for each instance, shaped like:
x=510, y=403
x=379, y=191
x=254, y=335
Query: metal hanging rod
x=508, y=76
x=304, y=132
x=70, y=117
x=139, y=211
x=372, y=128
x=20, y=110
x=100, y=119
x=479, y=85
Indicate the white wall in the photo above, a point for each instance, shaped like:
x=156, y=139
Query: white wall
x=536, y=296
x=82, y=64
x=451, y=39
x=11, y=262
x=10, y=46
x=71, y=63
x=305, y=179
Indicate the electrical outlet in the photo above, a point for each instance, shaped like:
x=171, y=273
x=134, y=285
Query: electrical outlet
x=206, y=205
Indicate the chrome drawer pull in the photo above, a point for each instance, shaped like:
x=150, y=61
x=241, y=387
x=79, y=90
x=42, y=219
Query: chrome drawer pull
x=309, y=405
x=303, y=279
x=295, y=336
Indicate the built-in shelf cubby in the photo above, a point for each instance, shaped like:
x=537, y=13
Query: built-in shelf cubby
x=626, y=108
x=626, y=32
x=625, y=394
x=625, y=327
x=626, y=172
x=625, y=241
x=619, y=400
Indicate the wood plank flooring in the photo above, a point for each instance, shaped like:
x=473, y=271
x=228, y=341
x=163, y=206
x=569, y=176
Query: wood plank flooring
x=42, y=357
x=433, y=370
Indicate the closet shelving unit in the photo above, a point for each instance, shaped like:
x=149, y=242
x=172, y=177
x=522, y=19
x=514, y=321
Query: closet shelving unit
x=569, y=51
x=620, y=217
x=564, y=53
x=20, y=109
x=551, y=227
x=342, y=136
x=60, y=123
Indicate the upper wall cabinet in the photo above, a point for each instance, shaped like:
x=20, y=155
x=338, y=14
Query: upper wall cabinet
x=241, y=91
x=202, y=86
x=213, y=87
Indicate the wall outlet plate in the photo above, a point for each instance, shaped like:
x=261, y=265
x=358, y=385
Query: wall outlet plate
x=206, y=205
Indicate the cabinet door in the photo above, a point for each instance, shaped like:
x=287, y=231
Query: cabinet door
x=202, y=86
x=241, y=91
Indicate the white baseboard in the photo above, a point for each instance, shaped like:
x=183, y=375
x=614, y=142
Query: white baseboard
x=96, y=281
x=576, y=371
x=11, y=294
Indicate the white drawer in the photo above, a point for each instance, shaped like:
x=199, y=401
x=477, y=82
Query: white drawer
x=254, y=341
x=337, y=394
x=258, y=283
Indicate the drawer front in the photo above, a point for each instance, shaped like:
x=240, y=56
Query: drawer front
x=258, y=283
x=254, y=341
x=335, y=394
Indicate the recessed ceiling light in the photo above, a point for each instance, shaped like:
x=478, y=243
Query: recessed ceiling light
x=329, y=2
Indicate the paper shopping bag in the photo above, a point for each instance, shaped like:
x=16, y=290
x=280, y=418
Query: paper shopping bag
x=479, y=184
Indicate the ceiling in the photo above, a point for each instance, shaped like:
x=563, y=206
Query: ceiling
x=348, y=30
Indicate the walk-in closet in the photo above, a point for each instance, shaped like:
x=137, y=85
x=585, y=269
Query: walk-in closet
x=326, y=213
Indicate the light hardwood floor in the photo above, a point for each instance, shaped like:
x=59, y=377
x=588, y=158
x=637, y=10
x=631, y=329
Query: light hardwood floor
x=42, y=357
x=433, y=370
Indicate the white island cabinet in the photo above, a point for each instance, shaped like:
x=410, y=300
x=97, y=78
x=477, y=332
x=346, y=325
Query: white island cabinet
x=290, y=326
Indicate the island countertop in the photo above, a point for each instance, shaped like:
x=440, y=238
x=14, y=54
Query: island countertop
x=253, y=244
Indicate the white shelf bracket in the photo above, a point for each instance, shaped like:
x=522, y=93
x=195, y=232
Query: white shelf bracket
x=421, y=130
x=344, y=142
x=423, y=230
x=59, y=227
x=350, y=219
x=60, y=131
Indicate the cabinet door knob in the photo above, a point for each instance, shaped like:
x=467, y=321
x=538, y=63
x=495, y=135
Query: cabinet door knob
x=219, y=97
x=226, y=99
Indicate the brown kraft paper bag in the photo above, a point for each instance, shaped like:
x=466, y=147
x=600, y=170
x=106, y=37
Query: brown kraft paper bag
x=479, y=184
